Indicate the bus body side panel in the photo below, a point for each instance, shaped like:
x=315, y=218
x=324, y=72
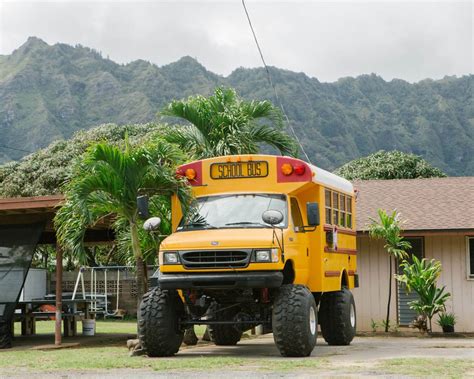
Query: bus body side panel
x=340, y=261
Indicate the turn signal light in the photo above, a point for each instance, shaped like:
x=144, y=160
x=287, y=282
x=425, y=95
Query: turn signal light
x=190, y=174
x=300, y=169
x=286, y=169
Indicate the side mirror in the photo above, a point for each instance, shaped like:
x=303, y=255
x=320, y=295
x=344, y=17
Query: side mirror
x=272, y=217
x=312, y=210
x=152, y=224
x=142, y=207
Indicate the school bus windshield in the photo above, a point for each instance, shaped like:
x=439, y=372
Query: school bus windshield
x=234, y=211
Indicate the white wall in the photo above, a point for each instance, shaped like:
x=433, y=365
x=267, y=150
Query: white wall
x=371, y=296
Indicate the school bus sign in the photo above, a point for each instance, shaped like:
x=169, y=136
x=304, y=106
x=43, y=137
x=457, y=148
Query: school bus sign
x=258, y=248
x=236, y=170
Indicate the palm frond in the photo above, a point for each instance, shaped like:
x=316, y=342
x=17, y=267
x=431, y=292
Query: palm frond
x=274, y=137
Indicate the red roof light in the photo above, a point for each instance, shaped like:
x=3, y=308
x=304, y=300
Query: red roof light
x=300, y=169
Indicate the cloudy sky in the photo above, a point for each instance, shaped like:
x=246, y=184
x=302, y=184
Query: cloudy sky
x=328, y=40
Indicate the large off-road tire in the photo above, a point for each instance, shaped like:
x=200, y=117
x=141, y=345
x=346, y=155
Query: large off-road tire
x=158, y=330
x=337, y=316
x=294, y=321
x=224, y=335
x=5, y=335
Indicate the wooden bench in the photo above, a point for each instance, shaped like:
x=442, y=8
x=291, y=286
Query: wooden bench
x=28, y=322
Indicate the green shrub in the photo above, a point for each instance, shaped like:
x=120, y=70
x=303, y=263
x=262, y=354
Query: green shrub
x=446, y=319
x=421, y=276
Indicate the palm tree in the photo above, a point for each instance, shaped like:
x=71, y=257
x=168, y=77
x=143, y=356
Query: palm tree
x=106, y=183
x=224, y=124
x=388, y=228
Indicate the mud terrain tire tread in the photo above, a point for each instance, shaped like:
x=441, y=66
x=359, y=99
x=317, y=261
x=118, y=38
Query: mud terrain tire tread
x=224, y=335
x=290, y=321
x=158, y=322
x=334, y=316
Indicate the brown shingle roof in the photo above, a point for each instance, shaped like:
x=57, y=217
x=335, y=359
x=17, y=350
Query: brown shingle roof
x=425, y=204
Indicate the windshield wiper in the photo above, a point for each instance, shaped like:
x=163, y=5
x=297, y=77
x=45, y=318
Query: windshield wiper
x=247, y=223
x=200, y=224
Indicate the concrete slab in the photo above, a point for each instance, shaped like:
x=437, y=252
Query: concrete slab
x=361, y=349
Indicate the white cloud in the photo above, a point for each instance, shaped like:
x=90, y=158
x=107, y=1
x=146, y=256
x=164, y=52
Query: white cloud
x=408, y=40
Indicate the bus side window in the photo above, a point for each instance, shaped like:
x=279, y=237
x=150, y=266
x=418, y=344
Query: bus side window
x=296, y=215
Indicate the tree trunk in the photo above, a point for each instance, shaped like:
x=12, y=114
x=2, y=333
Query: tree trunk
x=387, y=321
x=141, y=281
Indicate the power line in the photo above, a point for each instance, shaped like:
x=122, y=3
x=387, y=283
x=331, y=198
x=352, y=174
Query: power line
x=269, y=76
x=14, y=148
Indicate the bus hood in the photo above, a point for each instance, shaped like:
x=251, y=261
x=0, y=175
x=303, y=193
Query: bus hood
x=220, y=239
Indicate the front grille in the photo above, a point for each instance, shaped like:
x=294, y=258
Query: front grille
x=215, y=259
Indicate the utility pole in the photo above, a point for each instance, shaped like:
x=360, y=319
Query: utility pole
x=59, y=294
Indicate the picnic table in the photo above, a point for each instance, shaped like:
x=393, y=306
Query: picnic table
x=72, y=312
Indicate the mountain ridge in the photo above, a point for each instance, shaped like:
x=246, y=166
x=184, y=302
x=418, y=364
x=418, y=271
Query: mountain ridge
x=47, y=92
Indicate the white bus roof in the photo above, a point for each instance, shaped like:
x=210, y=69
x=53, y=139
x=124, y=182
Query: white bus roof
x=331, y=180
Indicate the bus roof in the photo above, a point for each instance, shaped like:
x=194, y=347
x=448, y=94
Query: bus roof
x=313, y=174
x=327, y=178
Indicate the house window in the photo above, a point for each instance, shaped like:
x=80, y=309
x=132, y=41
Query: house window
x=470, y=257
x=338, y=209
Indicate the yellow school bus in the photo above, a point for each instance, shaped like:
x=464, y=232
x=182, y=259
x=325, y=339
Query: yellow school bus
x=269, y=241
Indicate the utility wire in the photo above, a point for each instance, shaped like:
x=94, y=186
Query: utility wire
x=14, y=148
x=269, y=76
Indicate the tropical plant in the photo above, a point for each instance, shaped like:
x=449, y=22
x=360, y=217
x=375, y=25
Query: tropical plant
x=389, y=165
x=225, y=124
x=374, y=325
x=388, y=228
x=446, y=319
x=421, y=276
x=105, y=184
x=386, y=325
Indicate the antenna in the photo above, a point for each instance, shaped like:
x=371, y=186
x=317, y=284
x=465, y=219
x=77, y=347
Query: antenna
x=269, y=76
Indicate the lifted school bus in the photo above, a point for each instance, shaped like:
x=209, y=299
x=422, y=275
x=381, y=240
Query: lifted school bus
x=271, y=242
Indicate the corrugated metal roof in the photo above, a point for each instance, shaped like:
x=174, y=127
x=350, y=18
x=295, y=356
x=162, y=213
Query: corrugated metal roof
x=424, y=204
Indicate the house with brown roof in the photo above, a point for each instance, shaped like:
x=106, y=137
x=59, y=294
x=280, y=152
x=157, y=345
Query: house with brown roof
x=438, y=215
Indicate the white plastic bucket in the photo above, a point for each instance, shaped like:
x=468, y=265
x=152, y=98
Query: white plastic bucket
x=88, y=327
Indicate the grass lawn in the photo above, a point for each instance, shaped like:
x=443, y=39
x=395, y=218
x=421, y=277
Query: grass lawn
x=96, y=358
x=105, y=358
x=428, y=367
x=115, y=356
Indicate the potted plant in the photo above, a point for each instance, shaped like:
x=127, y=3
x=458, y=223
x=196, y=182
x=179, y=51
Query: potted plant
x=447, y=321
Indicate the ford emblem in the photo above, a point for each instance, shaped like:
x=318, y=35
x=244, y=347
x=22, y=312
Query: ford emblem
x=214, y=243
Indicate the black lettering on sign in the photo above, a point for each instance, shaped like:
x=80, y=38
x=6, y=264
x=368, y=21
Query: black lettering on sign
x=221, y=168
x=236, y=170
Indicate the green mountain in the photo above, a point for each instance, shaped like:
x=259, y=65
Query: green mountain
x=49, y=92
